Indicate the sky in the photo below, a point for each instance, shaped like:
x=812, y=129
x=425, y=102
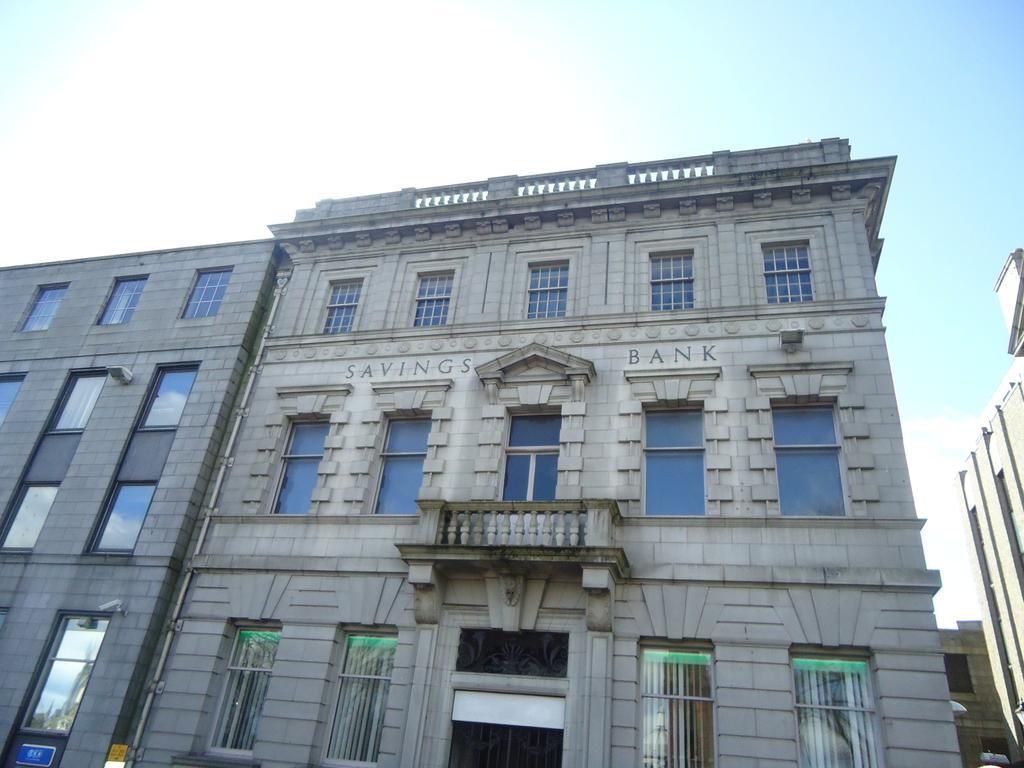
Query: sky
x=144, y=125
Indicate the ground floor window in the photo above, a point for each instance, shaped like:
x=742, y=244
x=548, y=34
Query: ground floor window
x=252, y=658
x=506, y=730
x=678, y=727
x=362, y=698
x=835, y=713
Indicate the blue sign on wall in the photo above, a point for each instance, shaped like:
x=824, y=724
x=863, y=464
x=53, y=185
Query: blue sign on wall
x=35, y=754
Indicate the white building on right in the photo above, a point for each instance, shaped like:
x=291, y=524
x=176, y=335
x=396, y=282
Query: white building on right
x=992, y=483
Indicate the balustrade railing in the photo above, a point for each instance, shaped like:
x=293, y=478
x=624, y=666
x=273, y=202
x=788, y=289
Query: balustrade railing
x=544, y=185
x=432, y=198
x=670, y=170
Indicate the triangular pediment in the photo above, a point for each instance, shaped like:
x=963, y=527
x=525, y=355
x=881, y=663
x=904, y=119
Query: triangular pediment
x=535, y=363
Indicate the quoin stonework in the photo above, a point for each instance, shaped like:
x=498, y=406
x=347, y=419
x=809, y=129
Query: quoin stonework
x=592, y=468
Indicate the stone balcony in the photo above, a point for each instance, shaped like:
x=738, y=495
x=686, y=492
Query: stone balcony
x=510, y=541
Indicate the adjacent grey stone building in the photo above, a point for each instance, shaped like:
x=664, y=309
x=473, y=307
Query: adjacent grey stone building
x=993, y=507
x=593, y=468
x=117, y=380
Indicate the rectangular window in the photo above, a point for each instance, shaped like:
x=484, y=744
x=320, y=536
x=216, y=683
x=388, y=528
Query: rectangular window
x=252, y=659
x=674, y=463
x=404, y=452
x=305, y=450
x=125, y=517
x=81, y=395
x=9, y=386
x=362, y=699
x=32, y=511
x=208, y=293
x=169, y=398
x=787, y=274
x=807, y=461
x=341, y=307
x=68, y=668
x=45, y=306
x=123, y=301
x=548, y=294
x=433, y=299
x=531, y=461
x=671, y=282
x=678, y=729
x=958, y=673
x=835, y=713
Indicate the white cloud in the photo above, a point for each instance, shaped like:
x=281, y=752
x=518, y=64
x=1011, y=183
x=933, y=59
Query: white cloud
x=936, y=450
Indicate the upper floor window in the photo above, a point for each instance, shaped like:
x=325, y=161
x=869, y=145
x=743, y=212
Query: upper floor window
x=787, y=274
x=958, y=673
x=672, y=282
x=169, y=398
x=341, y=307
x=48, y=299
x=835, y=713
x=678, y=729
x=305, y=450
x=807, y=461
x=531, y=463
x=548, y=294
x=362, y=699
x=433, y=299
x=69, y=662
x=128, y=509
x=245, y=689
x=29, y=516
x=123, y=300
x=208, y=293
x=9, y=386
x=674, y=463
x=402, y=475
x=80, y=397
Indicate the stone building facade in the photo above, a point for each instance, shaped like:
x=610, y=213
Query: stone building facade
x=993, y=509
x=981, y=728
x=117, y=378
x=599, y=468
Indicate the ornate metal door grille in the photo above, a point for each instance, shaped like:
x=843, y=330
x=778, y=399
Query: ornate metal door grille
x=485, y=745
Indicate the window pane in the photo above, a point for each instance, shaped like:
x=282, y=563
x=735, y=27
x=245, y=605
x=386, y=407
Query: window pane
x=45, y=308
x=677, y=733
x=8, y=391
x=28, y=520
x=127, y=514
x=123, y=301
x=408, y=436
x=61, y=693
x=804, y=426
x=832, y=683
x=676, y=673
x=674, y=483
x=370, y=655
x=297, y=489
x=517, y=477
x=535, y=430
x=81, y=639
x=958, y=673
x=809, y=482
x=545, y=476
x=675, y=429
x=400, y=485
x=341, y=308
x=359, y=717
x=836, y=738
x=308, y=439
x=77, y=408
x=171, y=396
x=256, y=649
x=208, y=293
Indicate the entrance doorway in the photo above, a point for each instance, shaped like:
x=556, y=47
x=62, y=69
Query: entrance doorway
x=506, y=730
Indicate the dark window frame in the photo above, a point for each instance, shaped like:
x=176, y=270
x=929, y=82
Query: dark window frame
x=287, y=455
x=40, y=289
x=119, y=281
x=230, y=270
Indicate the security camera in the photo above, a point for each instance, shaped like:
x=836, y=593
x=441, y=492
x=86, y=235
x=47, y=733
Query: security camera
x=114, y=605
x=119, y=374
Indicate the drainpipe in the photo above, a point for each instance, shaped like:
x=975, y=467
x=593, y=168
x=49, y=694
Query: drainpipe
x=225, y=462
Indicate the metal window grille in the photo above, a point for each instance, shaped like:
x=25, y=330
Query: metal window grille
x=246, y=689
x=45, y=307
x=548, y=294
x=678, y=727
x=835, y=713
x=787, y=274
x=362, y=699
x=208, y=293
x=341, y=307
x=671, y=282
x=123, y=301
x=433, y=299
